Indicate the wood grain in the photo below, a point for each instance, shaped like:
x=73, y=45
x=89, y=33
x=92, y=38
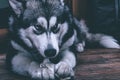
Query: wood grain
x=99, y=64
x=93, y=64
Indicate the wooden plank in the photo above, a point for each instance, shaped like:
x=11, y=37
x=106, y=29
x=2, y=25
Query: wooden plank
x=94, y=64
x=99, y=65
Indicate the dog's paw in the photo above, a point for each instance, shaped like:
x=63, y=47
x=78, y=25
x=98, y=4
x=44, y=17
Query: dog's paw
x=43, y=72
x=63, y=71
x=80, y=47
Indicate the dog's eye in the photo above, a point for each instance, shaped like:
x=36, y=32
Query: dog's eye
x=38, y=29
x=55, y=29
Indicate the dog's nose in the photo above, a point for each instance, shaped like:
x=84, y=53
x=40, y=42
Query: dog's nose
x=50, y=52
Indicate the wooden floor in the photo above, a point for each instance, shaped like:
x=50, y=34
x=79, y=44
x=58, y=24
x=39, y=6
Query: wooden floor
x=93, y=64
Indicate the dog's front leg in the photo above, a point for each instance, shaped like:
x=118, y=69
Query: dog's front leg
x=64, y=69
x=24, y=65
x=42, y=72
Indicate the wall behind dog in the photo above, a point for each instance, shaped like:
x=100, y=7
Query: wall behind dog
x=79, y=8
x=4, y=3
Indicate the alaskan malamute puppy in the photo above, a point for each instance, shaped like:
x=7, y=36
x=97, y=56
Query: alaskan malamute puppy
x=45, y=38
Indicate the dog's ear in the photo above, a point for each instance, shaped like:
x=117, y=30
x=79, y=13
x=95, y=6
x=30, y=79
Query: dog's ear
x=17, y=6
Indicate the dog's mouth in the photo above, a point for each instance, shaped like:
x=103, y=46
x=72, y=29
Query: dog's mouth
x=36, y=55
x=39, y=56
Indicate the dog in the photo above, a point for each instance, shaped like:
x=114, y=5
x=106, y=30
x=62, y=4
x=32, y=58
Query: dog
x=45, y=37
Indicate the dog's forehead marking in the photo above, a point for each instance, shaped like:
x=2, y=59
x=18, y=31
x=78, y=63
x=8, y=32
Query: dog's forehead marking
x=52, y=21
x=42, y=21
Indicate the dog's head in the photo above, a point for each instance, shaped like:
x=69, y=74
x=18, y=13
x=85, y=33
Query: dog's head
x=41, y=25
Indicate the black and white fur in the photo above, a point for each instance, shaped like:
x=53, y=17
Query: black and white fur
x=45, y=38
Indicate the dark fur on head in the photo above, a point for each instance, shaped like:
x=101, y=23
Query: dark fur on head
x=29, y=10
